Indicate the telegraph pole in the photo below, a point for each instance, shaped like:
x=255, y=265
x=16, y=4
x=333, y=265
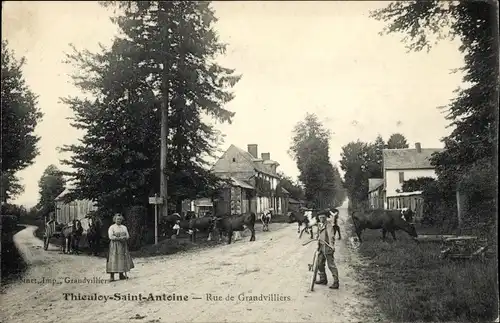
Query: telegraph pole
x=164, y=123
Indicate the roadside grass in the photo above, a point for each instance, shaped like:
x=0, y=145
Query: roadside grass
x=12, y=264
x=409, y=281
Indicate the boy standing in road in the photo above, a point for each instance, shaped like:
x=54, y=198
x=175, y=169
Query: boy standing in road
x=326, y=252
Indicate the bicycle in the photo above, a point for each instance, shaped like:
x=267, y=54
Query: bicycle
x=314, y=266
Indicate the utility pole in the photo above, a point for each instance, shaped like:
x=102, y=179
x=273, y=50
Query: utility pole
x=164, y=122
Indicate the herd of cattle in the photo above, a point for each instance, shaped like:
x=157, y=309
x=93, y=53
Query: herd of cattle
x=378, y=219
x=216, y=225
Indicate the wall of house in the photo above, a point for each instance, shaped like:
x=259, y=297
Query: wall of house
x=375, y=199
x=76, y=210
x=392, y=178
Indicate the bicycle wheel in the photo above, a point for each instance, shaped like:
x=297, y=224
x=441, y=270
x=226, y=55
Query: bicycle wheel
x=314, y=270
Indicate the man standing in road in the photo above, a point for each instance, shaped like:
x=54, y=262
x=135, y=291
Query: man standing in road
x=326, y=252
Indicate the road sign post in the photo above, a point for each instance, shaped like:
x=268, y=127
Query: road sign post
x=156, y=201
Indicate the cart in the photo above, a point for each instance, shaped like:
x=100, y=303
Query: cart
x=52, y=230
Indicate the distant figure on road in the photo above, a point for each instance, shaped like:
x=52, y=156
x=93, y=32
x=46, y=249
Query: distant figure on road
x=336, y=228
x=326, y=252
x=119, y=259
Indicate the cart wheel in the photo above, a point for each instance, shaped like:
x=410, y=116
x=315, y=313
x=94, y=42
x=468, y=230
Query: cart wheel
x=45, y=243
x=314, y=270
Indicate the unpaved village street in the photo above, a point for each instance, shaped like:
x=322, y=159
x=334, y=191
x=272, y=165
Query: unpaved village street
x=276, y=263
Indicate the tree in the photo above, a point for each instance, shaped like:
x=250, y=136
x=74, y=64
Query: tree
x=291, y=186
x=379, y=146
x=353, y=162
x=50, y=185
x=416, y=184
x=19, y=119
x=310, y=150
x=472, y=143
x=117, y=162
x=11, y=187
x=397, y=141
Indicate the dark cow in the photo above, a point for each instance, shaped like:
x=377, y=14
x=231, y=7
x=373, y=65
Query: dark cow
x=238, y=222
x=167, y=223
x=203, y=224
x=265, y=218
x=70, y=235
x=387, y=220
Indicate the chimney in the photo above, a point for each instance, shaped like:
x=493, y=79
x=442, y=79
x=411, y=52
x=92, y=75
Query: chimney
x=418, y=147
x=252, y=149
x=266, y=156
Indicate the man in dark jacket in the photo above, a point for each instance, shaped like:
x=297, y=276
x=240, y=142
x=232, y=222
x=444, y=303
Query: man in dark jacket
x=326, y=252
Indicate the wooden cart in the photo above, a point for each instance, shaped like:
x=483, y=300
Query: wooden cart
x=51, y=231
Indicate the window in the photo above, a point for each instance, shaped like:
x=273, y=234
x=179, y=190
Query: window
x=234, y=159
x=401, y=177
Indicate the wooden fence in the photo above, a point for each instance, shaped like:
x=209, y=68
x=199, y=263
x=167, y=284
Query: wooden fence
x=414, y=202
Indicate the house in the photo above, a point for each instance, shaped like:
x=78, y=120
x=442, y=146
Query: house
x=401, y=165
x=253, y=181
x=376, y=193
x=75, y=210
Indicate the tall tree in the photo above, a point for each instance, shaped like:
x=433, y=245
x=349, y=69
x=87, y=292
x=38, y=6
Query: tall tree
x=118, y=162
x=310, y=150
x=19, y=119
x=50, y=185
x=397, y=141
x=356, y=161
x=379, y=145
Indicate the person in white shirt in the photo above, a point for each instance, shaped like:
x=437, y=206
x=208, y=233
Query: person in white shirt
x=119, y=259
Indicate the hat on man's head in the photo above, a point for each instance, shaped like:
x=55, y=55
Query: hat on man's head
x=322, y=215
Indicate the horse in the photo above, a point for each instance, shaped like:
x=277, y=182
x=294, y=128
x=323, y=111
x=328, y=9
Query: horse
x=94, y=234
x=70, y=235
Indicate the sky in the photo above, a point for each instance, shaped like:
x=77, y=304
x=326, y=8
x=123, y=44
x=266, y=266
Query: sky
x=324, y=57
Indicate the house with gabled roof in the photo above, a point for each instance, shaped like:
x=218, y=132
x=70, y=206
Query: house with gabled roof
x=254, y=181
x=400, y=165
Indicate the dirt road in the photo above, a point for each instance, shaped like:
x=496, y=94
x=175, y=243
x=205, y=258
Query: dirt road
x=275, y=266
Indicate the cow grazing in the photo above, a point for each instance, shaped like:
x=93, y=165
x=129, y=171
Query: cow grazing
x=265, y=218
x=387, y=220
x=237, y=222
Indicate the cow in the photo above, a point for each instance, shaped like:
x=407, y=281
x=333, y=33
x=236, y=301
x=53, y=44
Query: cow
x=236, y=222
x=387, y=220
x=206, y=223
x=265, y=218
x=309, y=218
x=167, y=223
x=407, y=214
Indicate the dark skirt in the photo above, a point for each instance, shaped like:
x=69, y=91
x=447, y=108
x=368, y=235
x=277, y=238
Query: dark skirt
x=119, y=259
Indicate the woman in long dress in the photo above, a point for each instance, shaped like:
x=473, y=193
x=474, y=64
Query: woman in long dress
x=119, y=259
